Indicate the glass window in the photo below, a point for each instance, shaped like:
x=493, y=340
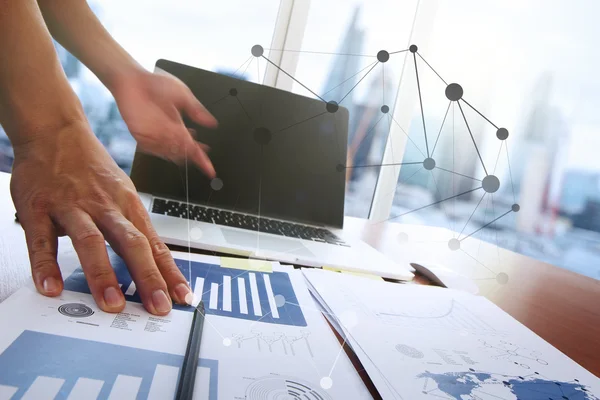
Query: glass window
x=529, y=67
x=216, y=36
x=338, y=61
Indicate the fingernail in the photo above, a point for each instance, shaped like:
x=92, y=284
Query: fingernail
x=161, y=302
x=51, y=285
x=183, y=293
x=112, y=297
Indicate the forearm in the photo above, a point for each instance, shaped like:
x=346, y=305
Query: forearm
x=35, y=96
x=73, y=24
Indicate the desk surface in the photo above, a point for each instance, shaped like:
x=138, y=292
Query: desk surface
x=560, y=306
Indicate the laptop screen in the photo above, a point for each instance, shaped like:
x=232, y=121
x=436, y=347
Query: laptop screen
x=277, y=154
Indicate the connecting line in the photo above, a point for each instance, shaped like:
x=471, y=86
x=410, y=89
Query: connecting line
x=472, y=138
x=243, y=108
x=439, y=76
x=477, y=111
x=399, y=51
x=394, y=119
x=323, y=52
x=421, y=103
x=473, y=213
x=298, y=123
x=489, y=223
x=385, y=165
x=441, y=127
x=221, y=99
x=359, y=81
x=346, y=80
x=294, y=79
x=240, y=67
x=456, y=173
x=437, y=202
x=510, y=173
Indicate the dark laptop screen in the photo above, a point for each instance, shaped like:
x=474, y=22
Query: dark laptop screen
x=277, y=153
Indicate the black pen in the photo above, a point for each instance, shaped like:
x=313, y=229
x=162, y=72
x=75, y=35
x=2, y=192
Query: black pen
x=185, y=387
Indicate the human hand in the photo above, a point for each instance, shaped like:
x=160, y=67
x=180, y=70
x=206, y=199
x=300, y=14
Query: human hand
x=152, y=105
x=64, y=182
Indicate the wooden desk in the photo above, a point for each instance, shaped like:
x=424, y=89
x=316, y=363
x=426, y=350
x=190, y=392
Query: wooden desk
x=560, y=306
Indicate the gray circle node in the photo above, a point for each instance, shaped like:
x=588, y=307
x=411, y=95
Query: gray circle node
x=332, y=106
x=502, y=133
x=454, y=244
x=490, y=184
x=383, y=56
x=257, y=50
x=429, y=163
x=262, y=135
x=454, y=92
x=502, y=278
x=515, y=207
x=339, y=168
x=279, y=300
x=385, y=109
x=216, y=184
x=403, y=237
x=413, y=48
x=233, y=91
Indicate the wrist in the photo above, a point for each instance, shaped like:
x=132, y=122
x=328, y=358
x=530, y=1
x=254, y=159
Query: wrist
x=123, y=76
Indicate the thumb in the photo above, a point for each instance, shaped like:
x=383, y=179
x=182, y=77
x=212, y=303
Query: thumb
x=198, y=113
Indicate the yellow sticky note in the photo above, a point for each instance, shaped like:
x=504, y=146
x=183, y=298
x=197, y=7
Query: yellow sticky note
x=361, y=274
x=247, y=264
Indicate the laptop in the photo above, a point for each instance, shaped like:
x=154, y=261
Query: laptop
x=280, y=186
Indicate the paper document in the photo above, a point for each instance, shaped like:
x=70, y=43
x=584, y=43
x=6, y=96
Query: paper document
x=263, y=338
x=430, y=343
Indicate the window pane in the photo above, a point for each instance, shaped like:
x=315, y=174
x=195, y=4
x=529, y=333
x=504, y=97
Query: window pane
x=216, y=36
x=338, y=61
x=530, y=67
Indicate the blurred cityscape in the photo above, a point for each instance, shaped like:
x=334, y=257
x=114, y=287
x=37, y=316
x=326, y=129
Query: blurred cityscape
x=559, y=220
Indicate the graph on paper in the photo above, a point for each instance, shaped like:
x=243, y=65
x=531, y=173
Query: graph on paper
x=43, y=366
x=225, y=292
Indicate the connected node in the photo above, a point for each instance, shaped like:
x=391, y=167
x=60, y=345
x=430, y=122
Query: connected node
x=413, y=48
x=491, y=184
x=216, y=184
x=233, y=91
x=454, y=244
x=340, y=168
x=326, y=383
x=226, y=342
x=279, y=300
x=332, y=106
x=385, y=109
x=502, y=133
x=502, y=278
x=383, y=56
x=429, y=164
x=262, y=135
x=257, y=50
x=403, y=237
x=454, y=92
x=515, y=207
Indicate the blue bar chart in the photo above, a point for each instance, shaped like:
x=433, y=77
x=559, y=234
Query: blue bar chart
x=226, y=292
x=43, y=366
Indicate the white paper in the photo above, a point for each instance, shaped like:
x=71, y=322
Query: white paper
x=63, y=346
x=420, y=342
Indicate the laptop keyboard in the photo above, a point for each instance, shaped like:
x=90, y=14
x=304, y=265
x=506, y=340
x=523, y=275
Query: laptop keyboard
x=178, y=209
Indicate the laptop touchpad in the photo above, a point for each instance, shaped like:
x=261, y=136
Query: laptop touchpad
x=265, y=242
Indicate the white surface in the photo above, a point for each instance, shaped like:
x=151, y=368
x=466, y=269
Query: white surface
x=86, y=389
x=6, y=392
x=422, y=330
x=43, y=388
x=125, y=388
x=302, y=353
x=164, y=382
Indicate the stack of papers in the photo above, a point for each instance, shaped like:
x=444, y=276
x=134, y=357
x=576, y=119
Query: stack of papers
x=419, y=342
x=264, y=338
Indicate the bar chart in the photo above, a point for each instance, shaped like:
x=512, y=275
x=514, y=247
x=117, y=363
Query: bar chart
x=226, y=292
x=41, y=366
